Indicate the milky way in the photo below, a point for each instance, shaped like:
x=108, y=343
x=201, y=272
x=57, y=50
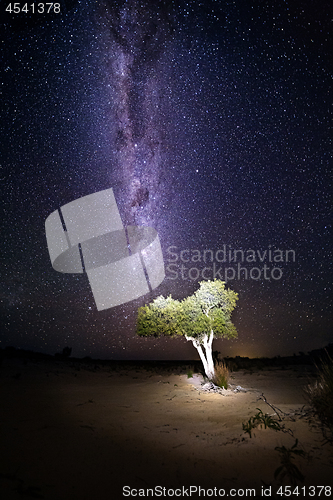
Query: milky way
x=212, y=123
x=135, y=36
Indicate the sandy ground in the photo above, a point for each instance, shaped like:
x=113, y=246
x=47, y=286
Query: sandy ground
x=70, y=434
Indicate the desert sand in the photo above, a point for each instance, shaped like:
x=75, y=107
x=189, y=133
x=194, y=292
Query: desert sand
x=75, y=432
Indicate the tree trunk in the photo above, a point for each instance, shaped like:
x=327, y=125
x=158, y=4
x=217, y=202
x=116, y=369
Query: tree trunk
x=207, y=360
x=209, y=353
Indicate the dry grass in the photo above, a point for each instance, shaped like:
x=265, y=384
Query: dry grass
x=320, y=393
x=221, y=376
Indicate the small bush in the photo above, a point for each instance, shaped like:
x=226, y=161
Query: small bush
x=221, y=375
x=261, y=420
x=320, y=393
x=287, y=468
x=190, y=374
x=232, y=365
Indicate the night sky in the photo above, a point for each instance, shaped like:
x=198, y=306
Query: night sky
x=211, y=122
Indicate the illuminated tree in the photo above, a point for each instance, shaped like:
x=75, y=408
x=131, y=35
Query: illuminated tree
x=200, y=318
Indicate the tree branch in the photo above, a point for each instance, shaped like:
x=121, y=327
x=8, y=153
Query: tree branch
x=274, y=408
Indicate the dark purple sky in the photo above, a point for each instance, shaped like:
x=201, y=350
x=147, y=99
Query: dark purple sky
x=211, y=121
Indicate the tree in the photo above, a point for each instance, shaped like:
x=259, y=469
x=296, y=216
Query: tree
x=200, y=318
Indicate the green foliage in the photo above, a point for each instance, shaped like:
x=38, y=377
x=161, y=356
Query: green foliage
x=287, y=468
x=260, y=420
x=213, y=295
x=320, y=393
x=221, y=375
x=190, y=374
x=160, y=317
x=209, y=308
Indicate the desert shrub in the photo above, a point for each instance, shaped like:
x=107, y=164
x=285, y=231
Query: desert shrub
x=261, y=420
x=287, y=468
x=320, y=393
x=232, y=365
x=221, y=375
x=66, y=352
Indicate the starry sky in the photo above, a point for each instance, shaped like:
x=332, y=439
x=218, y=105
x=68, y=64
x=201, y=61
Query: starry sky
x=211, y=122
